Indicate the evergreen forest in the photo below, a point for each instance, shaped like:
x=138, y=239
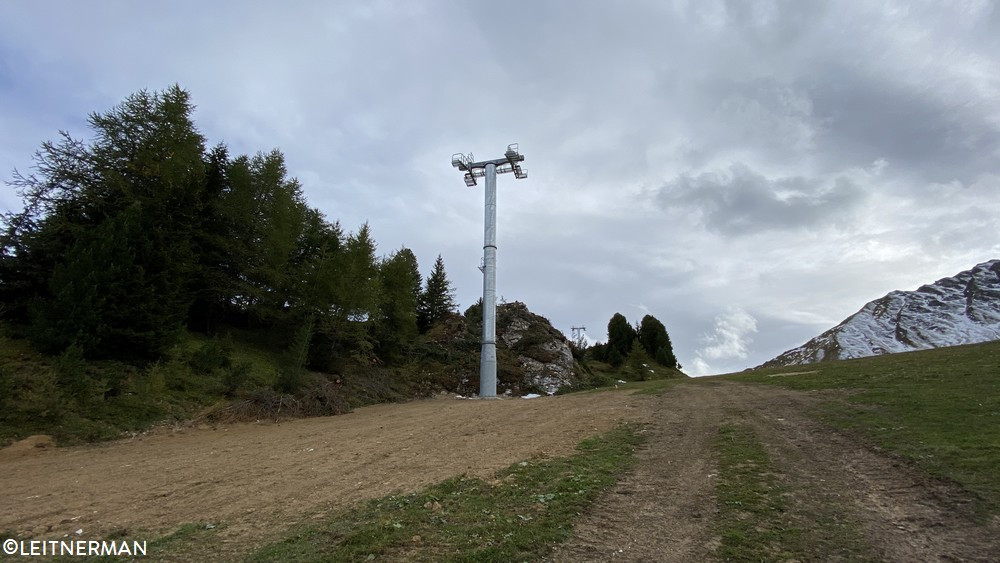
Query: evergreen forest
x=151, y=274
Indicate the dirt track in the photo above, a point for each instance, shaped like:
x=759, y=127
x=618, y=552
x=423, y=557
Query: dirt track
x=664, y=510
x=255, y=480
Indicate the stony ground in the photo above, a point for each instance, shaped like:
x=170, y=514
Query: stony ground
x=256, y=479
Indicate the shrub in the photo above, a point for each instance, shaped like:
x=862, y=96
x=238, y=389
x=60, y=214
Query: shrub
x=236, y=377
x=211, y=356
x=39, y=398
x=290, y=379
x=70, y=370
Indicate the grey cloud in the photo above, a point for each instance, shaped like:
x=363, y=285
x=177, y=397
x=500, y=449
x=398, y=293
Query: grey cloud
x=739, y=201
x=866, y=117
x=771, y=117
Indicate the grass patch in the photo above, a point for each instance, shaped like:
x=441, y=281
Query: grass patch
x=648, y=387
x=596, y=375
x=939, y=408
x=763, y=518
x=191, y=539
x=521, y=514
x=655, y=387
x=751, y=501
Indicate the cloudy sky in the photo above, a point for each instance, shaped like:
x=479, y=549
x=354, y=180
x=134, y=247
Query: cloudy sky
x=750, y=173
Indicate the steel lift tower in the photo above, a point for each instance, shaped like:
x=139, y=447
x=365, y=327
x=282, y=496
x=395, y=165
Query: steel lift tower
x=489, y=169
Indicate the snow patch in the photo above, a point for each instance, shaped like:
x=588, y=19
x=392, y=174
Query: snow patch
x=962, y=309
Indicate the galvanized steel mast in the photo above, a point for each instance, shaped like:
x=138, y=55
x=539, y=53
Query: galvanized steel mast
x=489, y=169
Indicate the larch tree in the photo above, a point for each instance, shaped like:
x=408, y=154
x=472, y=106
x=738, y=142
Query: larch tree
x=396, y=325
x=108, y=230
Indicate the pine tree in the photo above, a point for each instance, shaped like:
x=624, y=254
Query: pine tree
x=318, y=262
x=213, y=279
x=614, y=357
x=102, y=298
x=359, y=290
x=474, y=317
x=437, y=299
x=620, y=337
x=637, y=363
x=665, y=357
x=655, y=340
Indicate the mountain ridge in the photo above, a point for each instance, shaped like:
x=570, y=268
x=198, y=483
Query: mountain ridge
x=955, y=310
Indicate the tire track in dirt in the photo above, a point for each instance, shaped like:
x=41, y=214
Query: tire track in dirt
x=663, y=510
x=903, y=514
x=840, y=487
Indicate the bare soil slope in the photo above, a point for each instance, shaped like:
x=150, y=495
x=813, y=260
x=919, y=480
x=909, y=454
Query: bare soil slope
x=256, y=479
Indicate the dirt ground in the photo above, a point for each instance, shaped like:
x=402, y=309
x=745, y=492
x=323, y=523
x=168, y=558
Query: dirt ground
x=256, y=479
x=664, y=510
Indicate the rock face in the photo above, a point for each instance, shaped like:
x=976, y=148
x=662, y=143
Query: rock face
x=542, y=351
x=962, y=309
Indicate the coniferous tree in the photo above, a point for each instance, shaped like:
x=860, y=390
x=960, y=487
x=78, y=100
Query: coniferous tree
x=355, y=299
x=101, y=299
x=132, y=196
x=665, y=357
x=318, y=261
x=620, y=337
x=359, y=276
x=654, y=338
x=614, y=357
x=215, y=276
x=637, y=362
x=399, y=279
x=474, y=317
x=437, y=299
x=266, y=217
x=598, y=352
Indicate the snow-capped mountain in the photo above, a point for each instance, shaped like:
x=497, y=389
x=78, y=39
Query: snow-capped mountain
x=962, y=309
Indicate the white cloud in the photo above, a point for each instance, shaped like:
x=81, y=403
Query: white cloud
x=730, y=339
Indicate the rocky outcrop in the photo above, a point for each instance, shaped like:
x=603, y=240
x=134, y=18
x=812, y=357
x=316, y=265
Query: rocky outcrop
x=532, y=355
x=962, y=309
x=542, y=351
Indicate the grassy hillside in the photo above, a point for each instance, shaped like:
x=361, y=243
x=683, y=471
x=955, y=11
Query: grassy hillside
x=939, y=408
x=233, y=377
